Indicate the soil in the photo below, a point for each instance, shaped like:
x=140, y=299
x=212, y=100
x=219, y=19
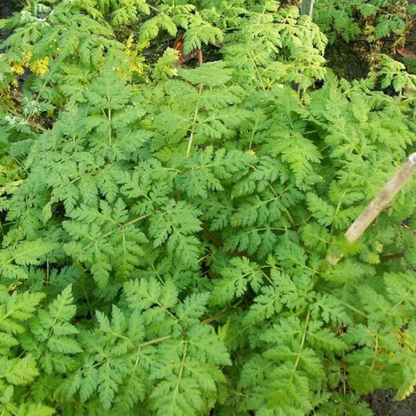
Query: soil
x=7, y=7
x=382, y=404
x=348, y=60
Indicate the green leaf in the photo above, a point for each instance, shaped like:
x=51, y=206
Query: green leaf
x=20, y=371
x=16, y=309
x=235, y=280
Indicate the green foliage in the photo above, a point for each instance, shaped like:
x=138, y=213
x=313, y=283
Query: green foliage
x=374, y=19
x=164, y=231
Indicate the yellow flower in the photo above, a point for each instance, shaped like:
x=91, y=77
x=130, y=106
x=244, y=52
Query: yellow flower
x=18, y=69
x=129, y=44
x=136, y=66
x=40, y=66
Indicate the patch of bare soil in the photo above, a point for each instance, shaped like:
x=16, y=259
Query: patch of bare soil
x=382, y=404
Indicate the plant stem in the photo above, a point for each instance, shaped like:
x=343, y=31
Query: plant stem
x=302, y=345
x=154, y=341
x=110, y=131
x=191, y=137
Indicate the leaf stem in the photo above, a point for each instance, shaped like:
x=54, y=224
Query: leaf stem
x=113, y=231
x=302, y=345
x=191, y=137
x=347, y=305
x=185, y=350
x=375, y=353
x=219, y=315
x=154, y=341
x=110, y=131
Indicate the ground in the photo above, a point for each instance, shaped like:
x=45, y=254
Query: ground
x=382, y=404
x=381, y=401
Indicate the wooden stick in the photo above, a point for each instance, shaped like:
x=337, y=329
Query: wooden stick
x=378, y=204
x=307, y=7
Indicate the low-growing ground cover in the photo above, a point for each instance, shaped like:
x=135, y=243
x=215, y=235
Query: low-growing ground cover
x=165, y=227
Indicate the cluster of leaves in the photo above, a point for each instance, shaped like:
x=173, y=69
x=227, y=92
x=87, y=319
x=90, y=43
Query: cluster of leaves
x=165, y=232
x=373, y=20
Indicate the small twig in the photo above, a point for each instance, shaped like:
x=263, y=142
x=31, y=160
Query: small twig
x=211, y=236
x=393, y=256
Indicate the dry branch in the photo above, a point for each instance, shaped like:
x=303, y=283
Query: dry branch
x=378, y=204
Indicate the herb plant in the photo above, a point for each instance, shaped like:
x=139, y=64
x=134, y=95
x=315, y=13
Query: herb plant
x=373, y=20
x=164, y=231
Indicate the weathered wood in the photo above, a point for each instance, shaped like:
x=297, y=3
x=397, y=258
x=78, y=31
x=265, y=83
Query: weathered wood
x=307, y=7
x=379, y=203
